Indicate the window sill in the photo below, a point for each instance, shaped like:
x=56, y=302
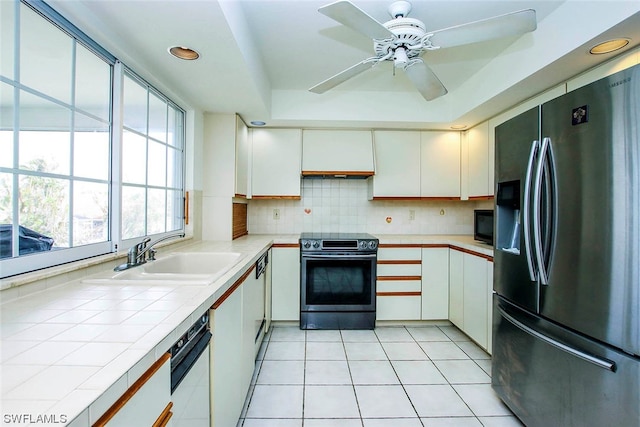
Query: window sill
x=13, y=287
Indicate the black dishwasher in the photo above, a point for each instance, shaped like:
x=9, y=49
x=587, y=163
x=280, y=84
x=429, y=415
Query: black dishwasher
x=190, y=376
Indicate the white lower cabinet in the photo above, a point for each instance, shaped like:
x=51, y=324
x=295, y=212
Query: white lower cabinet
x=285, y=283
x=475, y=298
x=456, y=288
x=490, y=308
x=435, y=283
x=147, y=402
x=252, y=316
x=235, y=321
x=470, y=283
x=227, y=395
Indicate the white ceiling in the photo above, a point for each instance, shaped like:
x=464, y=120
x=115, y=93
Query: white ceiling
x=259, y=57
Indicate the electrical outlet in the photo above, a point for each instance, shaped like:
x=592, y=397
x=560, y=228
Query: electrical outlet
x=276, y=214
x=412, y=214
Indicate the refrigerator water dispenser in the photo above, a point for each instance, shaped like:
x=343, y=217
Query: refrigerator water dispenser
x=508, y=217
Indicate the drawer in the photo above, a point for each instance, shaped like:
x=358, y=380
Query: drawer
x=398, y=307
x=399, y=270
x=399, y=253
x=399, y=286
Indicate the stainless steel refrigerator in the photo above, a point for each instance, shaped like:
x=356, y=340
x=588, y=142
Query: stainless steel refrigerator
x=566, y=320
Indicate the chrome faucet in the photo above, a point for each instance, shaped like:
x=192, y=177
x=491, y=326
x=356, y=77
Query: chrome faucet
x=138, y=253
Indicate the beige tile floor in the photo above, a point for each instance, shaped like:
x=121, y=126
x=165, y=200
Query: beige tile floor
x=391, y=377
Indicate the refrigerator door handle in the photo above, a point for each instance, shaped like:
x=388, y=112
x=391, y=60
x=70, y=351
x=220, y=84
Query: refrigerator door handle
x=598, y=361
x=537, y=196
x=526, y=210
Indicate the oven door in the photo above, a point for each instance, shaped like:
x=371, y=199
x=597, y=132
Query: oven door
x=338, y=282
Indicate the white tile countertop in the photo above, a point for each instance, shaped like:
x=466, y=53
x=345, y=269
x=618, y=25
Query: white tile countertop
x=459, y=241
x=73, y=349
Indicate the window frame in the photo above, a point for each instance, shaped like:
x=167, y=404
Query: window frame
x=123, y=72
x=17, y=264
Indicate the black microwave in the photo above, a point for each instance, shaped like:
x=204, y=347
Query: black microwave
x=483, y=225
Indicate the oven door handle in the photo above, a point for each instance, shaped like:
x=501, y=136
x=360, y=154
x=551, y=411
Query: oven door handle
x=340, y=255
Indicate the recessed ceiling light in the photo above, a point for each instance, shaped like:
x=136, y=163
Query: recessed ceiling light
x=258, y=123
x=609, y=46
x=183, y=52
x=458, y=127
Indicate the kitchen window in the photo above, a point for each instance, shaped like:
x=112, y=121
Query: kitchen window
x=74, y=183
x=152, y=159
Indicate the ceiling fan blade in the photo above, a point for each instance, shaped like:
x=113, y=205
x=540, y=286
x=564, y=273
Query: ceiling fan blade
x=343, y=76
x=425, y=79
x=350, y=15
x=510, y=24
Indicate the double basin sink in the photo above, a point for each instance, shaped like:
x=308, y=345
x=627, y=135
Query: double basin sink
x=195, y=268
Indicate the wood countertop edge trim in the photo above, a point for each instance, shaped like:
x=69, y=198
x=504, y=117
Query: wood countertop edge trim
x=435, y=245
x=399, y=294
x=472, y=252
x=418, y=198
x=399, y=261
x=275, y=196
x=347, y=173
x=233, y=287
x=285, y=245
x=131, y=391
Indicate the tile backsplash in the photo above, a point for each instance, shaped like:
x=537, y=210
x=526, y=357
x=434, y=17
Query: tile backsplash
x=341, y=205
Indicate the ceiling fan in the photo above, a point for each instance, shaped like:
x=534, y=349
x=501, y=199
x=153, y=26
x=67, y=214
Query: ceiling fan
x=403, y=40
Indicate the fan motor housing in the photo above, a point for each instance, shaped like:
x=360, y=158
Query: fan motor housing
x=407, y=31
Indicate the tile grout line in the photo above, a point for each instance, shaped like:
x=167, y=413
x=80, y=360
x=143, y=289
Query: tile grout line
x=304, y=377
x=413, y=339
x=353, y=386
x=451, y=385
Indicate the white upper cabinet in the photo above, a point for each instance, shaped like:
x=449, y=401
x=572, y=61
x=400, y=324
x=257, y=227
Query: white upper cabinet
x=242, y=159
x=337, y=152
x=397, y=155
x=440, y=164
x=275, y=163
x=478, y=162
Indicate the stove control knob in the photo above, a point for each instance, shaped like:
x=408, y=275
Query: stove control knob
x=363, y=244
x=306, y=244
x=372, y=244
x=316, y=244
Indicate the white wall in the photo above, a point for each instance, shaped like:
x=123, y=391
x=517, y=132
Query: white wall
x=218, y=175
x=341, y=205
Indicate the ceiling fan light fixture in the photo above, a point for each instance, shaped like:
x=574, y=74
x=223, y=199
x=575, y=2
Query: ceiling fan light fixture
x=400, y=59
x=609, y=46
x=182, y=52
